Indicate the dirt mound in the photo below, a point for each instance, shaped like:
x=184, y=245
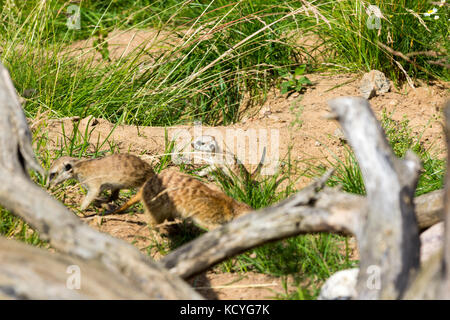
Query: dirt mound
x=293, y=123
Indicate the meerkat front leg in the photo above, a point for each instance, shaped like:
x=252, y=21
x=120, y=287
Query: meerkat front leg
x=93, y=192
x=114, y=195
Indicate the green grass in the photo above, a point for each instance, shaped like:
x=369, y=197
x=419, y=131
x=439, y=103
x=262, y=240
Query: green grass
x=309, y=259
x=14, y=228
x=203, y=76
x=220, y=51
x=404, y=29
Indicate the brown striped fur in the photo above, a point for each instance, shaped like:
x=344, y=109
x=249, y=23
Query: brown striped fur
x=172, y=194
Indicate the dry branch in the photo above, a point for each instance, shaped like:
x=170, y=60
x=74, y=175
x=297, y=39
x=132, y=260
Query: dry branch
x=58, y=225
x=390, y=240
x=326, y=211
x=308, y=211
x=27, y=272
x=433, y=280
x=445, y=264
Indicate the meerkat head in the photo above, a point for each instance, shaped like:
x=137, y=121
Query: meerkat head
x=205, y=144
x=61, y=170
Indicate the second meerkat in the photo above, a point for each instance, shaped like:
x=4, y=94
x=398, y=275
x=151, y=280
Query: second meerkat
x=172, y=194
x=223, y=160
x=114, y=172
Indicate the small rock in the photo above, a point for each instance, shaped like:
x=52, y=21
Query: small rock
x=374, y=83
x=317, y=144
x=274, y=117
x=393, y=102
x=338, y=133
x=265, y=111
x=340, y=286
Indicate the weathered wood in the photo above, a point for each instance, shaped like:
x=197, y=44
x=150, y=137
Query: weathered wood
x=429, y=206
x=390, y=242
x=433, y=280
x=27, y=272
x=59, y=226
x=308, y=211
x=329, y=210
x=16, y=153
x=445, y=274
x=426, y=283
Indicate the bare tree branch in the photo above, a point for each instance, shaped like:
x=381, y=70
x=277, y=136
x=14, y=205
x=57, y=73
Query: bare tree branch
x=329, y=210
x=55, y=223
x=390, y=238
x=27, y=272
x=308, y=211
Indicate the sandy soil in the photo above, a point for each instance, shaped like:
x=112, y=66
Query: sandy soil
x=296, y=122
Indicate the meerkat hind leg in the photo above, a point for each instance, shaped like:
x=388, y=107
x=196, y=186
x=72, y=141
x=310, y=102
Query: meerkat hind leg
x=154, y=219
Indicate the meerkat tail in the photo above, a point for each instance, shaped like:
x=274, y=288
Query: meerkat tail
x=136, y=198
x=260, y=165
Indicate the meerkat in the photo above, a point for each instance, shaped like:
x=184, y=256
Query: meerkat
x=114, y=172
x=172, y=194
x=223, y=161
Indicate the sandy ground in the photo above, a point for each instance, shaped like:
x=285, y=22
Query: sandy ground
x=296, y=123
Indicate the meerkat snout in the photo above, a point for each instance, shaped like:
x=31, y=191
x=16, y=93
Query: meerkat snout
x=60, y=171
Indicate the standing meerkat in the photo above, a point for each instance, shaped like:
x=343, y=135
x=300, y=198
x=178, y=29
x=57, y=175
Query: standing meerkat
x=225, y=161
x=114, y=172
x=172, y=194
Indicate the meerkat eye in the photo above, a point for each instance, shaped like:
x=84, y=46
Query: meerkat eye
x=52, y=175
x=68, y=167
